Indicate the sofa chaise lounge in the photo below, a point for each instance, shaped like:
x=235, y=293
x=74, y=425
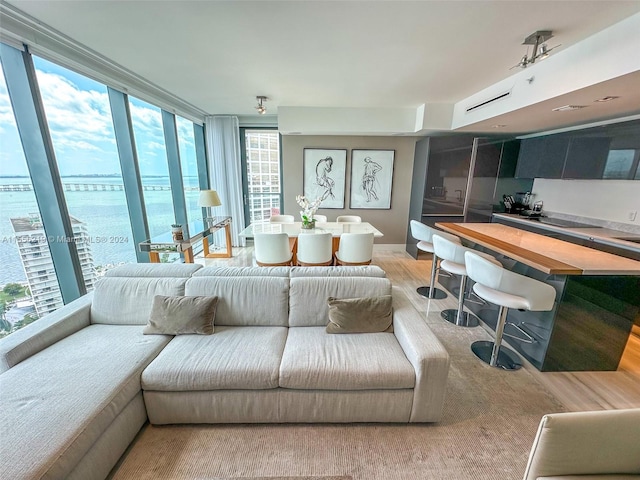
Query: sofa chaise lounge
x=77, y=386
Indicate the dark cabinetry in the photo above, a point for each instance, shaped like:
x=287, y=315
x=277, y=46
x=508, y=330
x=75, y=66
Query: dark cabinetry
x=542, y=157
x=611, y=151
x=587, y=157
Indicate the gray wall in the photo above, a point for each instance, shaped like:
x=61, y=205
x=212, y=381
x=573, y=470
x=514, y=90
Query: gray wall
x=392, y=223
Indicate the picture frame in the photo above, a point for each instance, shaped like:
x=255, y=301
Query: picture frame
x=371, y=179
x=324, y=176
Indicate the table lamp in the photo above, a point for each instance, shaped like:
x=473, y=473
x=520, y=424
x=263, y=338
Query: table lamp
x=208, y=199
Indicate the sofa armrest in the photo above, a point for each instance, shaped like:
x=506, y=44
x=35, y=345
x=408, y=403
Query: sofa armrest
x=586, y=443
x=427, y=355
x=44, y=332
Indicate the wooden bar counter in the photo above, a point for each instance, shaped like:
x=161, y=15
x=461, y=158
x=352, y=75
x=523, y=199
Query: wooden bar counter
x=597, y=297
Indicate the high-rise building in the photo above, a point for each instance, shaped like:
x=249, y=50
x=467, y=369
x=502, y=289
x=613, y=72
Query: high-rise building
x=33, y=246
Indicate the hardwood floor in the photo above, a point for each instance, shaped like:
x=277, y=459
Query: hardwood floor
x=576, y=390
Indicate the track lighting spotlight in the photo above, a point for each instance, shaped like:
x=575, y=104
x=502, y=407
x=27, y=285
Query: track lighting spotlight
x=260, y=107
x=540, y=49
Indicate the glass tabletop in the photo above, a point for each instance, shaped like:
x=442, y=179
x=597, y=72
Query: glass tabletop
x=294, y=229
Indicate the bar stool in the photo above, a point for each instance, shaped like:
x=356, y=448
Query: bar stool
x=423, y=233
x=452, y=256
x=502, y=287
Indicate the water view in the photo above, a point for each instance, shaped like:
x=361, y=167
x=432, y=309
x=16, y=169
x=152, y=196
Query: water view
x=103, y=211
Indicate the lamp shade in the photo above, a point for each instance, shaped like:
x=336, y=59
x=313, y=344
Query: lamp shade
x=209, y=198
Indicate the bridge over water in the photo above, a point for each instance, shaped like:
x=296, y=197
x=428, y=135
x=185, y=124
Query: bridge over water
x=88, y=187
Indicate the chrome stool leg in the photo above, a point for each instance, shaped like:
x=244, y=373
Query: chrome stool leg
x=459, y=317
x=431, y=291
x=494, y=353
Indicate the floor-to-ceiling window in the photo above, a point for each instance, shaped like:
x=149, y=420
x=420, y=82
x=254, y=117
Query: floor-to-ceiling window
x=152, y=161
x=189, y=166
x=73, y=163
x=80, y=122
x=28, y=283
x=263, y=189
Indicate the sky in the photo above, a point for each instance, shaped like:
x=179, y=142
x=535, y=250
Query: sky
x=79, y=119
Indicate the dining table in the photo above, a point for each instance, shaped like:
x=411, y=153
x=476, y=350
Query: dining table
x=293, y=230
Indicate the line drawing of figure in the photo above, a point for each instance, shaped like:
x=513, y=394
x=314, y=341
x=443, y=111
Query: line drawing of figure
x=369, y=180
x=323, y=167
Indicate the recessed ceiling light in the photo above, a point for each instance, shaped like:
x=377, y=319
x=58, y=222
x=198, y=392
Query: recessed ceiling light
x=566, y=108
x=606, y=99
x=498, y=125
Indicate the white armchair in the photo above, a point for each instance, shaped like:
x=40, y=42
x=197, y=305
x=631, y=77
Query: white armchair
x=602, y=445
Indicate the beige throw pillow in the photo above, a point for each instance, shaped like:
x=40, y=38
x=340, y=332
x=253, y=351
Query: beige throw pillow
x=181, y=315
x=360, y=315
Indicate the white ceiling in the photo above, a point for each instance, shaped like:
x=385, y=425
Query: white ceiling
x=218, y=55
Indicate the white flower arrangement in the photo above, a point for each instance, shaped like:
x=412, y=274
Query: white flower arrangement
x=308, y=208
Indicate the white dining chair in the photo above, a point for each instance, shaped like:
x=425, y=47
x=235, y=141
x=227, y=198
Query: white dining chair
x=272, y=249
x=314, y=249
x=282, y=219
x=320, y=218
x=349, y=218
x=355, y=249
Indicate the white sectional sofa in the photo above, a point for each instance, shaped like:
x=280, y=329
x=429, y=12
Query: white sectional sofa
x=77, y=386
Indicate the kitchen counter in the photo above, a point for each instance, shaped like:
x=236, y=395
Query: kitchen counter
x=549, y=255
x=606, y=236
x=596, y=306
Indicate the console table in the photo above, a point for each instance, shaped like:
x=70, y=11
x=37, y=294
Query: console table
x=199, y=231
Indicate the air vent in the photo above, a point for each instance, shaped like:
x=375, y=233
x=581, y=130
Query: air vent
x=489, y=101
x=566, y=108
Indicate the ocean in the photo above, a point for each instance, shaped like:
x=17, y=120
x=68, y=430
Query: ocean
x=104, y=213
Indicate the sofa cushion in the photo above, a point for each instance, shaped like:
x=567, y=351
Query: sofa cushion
x=154, y=270
x=232, y=358
x=181, y=315
x=128, y=300
x=66, y=396
x=243, y=272
x=244, y=301
x=313, y=359
x=360, y=315
x=308, y=299
x=339, y=271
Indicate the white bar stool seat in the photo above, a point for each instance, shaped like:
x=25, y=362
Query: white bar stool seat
x=499, y=286
x=452, y=255
x=423, y=233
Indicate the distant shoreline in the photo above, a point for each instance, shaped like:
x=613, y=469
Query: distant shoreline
x=89, y=176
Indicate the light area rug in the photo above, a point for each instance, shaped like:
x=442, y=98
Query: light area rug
x=489, y=422
x=283, y=478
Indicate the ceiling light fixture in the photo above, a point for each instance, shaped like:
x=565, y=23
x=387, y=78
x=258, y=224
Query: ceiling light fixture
x=540, y=48
x=606, y=99
x=260, y=107
x=566, y=108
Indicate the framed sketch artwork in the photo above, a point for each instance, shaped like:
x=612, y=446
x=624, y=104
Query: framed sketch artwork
x=324, y=176
x=371, y=178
